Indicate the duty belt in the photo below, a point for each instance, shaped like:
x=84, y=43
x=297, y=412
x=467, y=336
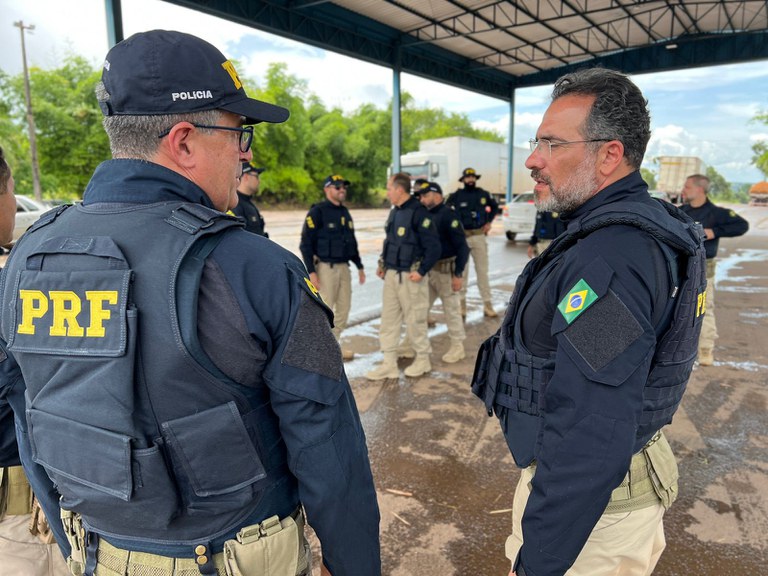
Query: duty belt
x=473, y=232
x=445, y=266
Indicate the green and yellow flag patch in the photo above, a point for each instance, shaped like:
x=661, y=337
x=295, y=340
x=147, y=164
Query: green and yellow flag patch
x=579, y=298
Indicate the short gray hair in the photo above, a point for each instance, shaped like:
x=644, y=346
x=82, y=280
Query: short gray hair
x=138, y=136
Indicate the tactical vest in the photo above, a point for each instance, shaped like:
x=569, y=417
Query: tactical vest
x=335, y=238
x=401, y=246
x=138, y=429
x=471, y=207
x=510, y=380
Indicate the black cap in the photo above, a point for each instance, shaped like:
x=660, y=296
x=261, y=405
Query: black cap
x=169, y=72
x=469, y=172
x=335, y=179
x=425, y=187
x=249, y=167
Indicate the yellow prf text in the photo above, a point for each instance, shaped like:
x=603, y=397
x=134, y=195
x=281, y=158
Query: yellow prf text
x=65, y=306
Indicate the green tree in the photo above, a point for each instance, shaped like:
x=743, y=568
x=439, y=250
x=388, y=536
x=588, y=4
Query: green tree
x=650, y=178
x=760, y=148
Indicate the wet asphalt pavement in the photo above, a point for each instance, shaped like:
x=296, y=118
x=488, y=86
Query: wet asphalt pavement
x=445, y=478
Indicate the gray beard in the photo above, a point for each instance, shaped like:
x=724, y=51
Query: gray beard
x=580, y=186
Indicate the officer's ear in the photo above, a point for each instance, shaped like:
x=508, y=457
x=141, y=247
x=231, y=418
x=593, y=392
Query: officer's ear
x=610, y=157
x=180, y=146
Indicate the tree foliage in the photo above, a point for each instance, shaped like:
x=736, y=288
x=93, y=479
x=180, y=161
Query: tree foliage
x=298, y=154
x=760, y=148
x=650, y=178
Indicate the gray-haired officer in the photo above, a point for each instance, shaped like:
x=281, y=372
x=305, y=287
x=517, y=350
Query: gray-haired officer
x=476, y=209
x=184, y=390
x=445, y=278
x=411, y=249
x=597, y=344
x=246, y=208
x=327, y=246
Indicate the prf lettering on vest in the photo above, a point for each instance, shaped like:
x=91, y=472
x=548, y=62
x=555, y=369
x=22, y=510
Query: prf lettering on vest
x=65, y=306
x=701, y=304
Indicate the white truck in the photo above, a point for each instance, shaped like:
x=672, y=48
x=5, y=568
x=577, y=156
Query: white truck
x=442, y=160
x=673, y=170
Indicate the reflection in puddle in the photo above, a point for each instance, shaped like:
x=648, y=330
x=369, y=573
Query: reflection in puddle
x=727, y=266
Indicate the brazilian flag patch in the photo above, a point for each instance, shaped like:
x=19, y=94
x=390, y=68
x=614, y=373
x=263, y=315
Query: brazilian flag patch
x=579, y=298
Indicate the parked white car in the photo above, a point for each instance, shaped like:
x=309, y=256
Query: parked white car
x=519, y=217
x=28, y=210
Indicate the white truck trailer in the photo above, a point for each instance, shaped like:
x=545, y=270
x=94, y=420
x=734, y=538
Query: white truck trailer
x=442, y=160
x=673, y=170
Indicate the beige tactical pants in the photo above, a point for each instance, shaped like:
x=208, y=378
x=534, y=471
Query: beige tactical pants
x=440, y=286
x=24, y=554
x=336, y=291
x=404, y=301
x=478, y=249
x=708, y=326
x=621, y=543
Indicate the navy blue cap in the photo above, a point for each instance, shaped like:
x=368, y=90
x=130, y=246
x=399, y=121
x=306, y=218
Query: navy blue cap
x=425, y=187
x=335, y=179
x=169, y=72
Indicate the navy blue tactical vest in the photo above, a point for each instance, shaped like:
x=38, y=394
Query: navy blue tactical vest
x=401, y=246
x=471, y=205
x=509, y=380
x=336, y=237
x=138, y=429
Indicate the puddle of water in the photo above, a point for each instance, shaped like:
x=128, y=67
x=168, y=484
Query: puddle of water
x=726, y=267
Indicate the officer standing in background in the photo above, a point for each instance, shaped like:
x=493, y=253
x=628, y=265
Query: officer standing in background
x=476, y=209
x=445, y=278
x=27, y=546
x=186, y=432
x=718, y=223
x=546, y=228
x=246, y=208
x=601, y=329
x=328, y=244
x=411, y=249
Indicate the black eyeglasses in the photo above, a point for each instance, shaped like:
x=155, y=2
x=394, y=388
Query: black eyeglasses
x=543, y=143
x=246, y=134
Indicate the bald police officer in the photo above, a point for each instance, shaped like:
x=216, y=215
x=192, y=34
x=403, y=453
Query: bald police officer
x=411, y=249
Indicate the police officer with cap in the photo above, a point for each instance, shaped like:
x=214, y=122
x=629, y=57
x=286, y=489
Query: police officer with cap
x=185, y=393
x=411, y=249
x=445, y=277
x=246, y=208
x=476, y=209
x=328, y=244
x=598, y=343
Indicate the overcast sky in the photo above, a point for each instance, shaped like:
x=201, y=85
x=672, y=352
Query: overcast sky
x=701, y=112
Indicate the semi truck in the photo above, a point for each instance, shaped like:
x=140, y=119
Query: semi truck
x=442, y=160
x=673, y=170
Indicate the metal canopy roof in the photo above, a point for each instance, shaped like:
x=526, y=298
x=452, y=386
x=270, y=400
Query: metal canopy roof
x=493, y=47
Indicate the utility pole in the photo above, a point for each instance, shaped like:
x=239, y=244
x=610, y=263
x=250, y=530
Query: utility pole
x=30, y=118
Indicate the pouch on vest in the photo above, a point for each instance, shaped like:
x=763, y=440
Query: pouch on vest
x=272, y=548
x=663, y=471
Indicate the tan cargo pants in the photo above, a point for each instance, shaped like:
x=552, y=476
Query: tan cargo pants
x=708, y=326
x=440, y=286
x=404, y=301
x=478, y=250
x=336, y=291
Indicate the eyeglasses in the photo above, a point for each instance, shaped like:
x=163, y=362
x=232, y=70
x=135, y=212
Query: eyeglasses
x=542, y=144
x=246, y=134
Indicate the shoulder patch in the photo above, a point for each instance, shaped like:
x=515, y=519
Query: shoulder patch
x=454, y=223
x=313, y=291
x=578, y=299
x=426, y=222
x=310, y=222
x=732, y=213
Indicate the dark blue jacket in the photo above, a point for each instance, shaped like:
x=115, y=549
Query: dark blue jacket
x=248, y=211
x=724, y=223
x=475, y=206
x=452, y=237
x=260, y=326
x=328, y=234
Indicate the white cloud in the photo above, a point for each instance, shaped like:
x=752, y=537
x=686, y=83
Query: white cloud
x=760, y=136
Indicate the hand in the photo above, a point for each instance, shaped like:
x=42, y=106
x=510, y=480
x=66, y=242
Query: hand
x=415, y=276
x=456, y=283
x=533, y=251
x=709, y=233
x=380, y=273
x=324, y=571
x=486, y=228
x=313, y=277
x=361, y=276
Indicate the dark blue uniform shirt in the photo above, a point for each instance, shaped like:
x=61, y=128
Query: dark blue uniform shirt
x=724, y=223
